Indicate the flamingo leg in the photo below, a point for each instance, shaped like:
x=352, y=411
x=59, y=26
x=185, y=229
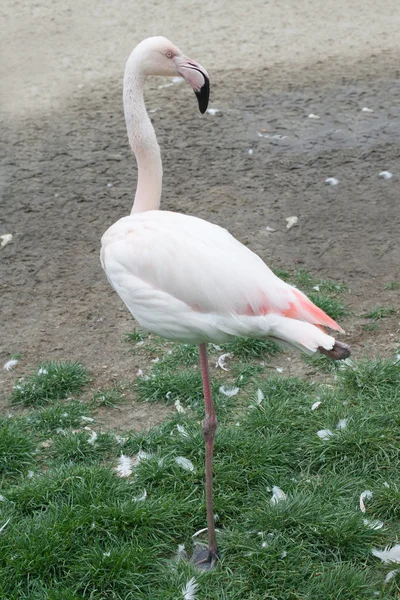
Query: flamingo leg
x=206, y=560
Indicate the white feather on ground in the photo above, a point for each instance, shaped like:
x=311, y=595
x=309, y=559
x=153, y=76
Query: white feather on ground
x=179, y=406
x=366, y=495
x=229, y=391
x=277, y=495
x=185, y=463
x=373, y=524
x=189, y=591
x=93, y=436
x=390, y=575
x=5, y=525
x=124, y=467
x=182, y=430
x=388, y=556
x=324, y=434
x=10, y=364
x=260, y=396
x=140, y=498
x=221, y=361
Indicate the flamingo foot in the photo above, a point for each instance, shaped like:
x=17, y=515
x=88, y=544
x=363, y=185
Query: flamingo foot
x=338, y=352
x=203, y=559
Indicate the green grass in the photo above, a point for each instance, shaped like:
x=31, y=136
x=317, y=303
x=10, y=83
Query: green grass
x=380, y=312
x=50, y=381
x=111, y=397
x=394, y=285
x=78, y=531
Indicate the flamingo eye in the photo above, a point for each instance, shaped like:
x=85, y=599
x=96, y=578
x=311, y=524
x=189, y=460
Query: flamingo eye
x=169, y=54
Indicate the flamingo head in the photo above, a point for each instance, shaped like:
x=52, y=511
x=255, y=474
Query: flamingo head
x=159, y=56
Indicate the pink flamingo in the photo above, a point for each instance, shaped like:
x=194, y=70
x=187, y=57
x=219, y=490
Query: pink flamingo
x=189, y=280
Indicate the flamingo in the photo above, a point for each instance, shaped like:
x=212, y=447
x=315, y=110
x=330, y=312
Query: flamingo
x=189, y=280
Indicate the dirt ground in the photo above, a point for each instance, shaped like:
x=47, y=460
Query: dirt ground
x=66, y=171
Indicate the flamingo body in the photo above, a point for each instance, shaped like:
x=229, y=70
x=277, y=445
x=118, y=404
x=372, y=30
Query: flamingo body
x=191, y=281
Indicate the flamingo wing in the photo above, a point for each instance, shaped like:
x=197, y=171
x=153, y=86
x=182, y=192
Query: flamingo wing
x=160, y=257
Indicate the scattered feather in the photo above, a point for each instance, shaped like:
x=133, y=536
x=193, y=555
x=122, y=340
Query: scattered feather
x=10, y=364
x=270, y=229
x=199, y=532
x=391, y=574
x=212, y=111
x=312, y=116
x=139, y=373
x=324, y=434
x=5, y=525
x=386, y=175
x=367, y=110
x=277, y=495
x=93, y=436
x=42, y=371
x=181, y=553
x=87, y=419
x=291, y=222
x=373, y=524
x=366, y=495
x=2, y=499
x=140, y=498
x=30, y=474
x=279, y=369
x=385, y=483
x=106, y=554
x=216, y=347
x=109, y=185
x=221, y=361
x=316, y=288
x=250, y=151
x=178, y=406
x=156, y=359
x=124, y=466
x=260, y=396
x=6, y=238
x=264, y=544
x=342, y=424
x=185, y=463
x=331, y=181
x=316, y=405
x=141, y=455
x=189, y=591
x=388, y=556
x=119, y=439
x=229, y=391
x=182, y=430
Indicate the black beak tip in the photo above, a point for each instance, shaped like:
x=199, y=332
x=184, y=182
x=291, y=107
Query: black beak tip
x=203, y=96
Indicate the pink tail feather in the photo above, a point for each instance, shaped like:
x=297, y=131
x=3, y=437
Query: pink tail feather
x=305, y=310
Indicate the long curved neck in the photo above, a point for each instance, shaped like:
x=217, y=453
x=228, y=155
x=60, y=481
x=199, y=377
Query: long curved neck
x=143, y=142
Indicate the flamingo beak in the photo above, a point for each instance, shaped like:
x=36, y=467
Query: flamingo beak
x=196, y=76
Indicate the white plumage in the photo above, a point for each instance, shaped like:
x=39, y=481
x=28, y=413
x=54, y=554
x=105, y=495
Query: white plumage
x=191, y=281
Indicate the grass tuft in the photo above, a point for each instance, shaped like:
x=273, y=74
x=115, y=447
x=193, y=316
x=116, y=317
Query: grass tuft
x=17, y=446
x=51, y=381
x=370, y=378
x=381, y=312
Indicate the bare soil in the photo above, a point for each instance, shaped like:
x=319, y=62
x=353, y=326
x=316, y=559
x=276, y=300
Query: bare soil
x=67, y=174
